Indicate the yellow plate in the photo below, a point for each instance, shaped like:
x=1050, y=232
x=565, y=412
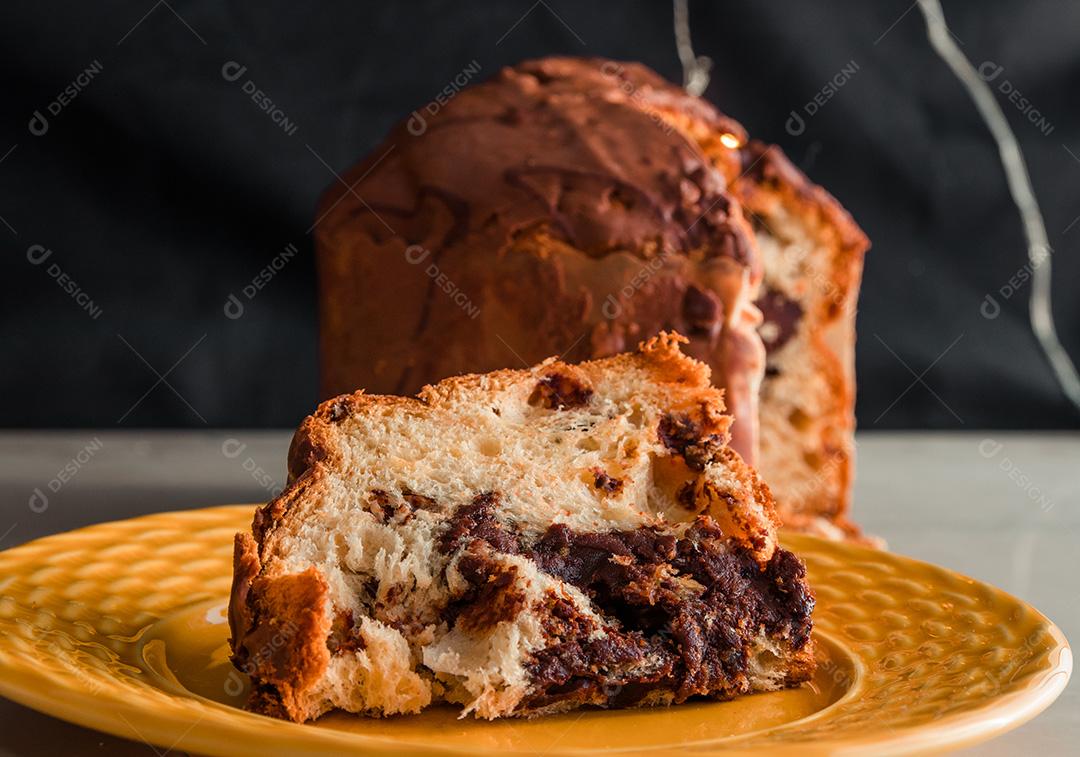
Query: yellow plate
x=121, y=627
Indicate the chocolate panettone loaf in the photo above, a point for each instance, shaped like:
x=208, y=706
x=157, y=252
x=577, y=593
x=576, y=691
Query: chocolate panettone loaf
x=520, y=543
x=573, y=207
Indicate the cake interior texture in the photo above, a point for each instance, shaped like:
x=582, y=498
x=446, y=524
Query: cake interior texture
x=520, y=543
x=577, y=206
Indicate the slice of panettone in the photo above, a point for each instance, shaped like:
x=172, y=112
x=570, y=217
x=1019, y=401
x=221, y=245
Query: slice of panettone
x=520, y=543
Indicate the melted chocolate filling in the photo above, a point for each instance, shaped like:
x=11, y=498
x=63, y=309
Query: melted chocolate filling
x=493, y=595
x=697, y=630
x=678, y=612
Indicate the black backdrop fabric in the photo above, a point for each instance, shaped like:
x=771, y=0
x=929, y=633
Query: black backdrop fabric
x=161, y=162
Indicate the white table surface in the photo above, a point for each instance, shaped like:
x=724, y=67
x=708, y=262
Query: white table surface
x=1001, y=507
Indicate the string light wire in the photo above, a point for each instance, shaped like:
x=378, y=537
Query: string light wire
x=695, y=68
x=696, y=71
x=1040, y=311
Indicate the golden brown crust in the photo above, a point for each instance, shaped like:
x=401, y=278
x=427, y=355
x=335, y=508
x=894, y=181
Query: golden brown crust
x=277, y=622
x=279, y=630
x=664, y=356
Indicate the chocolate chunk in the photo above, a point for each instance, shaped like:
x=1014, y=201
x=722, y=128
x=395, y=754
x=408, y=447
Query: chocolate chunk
x=605, y=483
x=379, y=503
x=477, y=520
x=419, y=501
x=687, y=496
x=494, y=596
x=557, y=390
x=781, y=317
x=339, y=410
x=382, y=504
x=682, y=435
x=344, y=637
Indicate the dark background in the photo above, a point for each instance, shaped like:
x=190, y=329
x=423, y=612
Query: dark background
x=162, y=188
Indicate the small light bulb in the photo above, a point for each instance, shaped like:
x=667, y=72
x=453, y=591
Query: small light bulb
x=729, y=140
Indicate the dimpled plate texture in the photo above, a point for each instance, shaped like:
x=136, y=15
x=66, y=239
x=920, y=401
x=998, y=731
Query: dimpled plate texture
x=121, y=627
